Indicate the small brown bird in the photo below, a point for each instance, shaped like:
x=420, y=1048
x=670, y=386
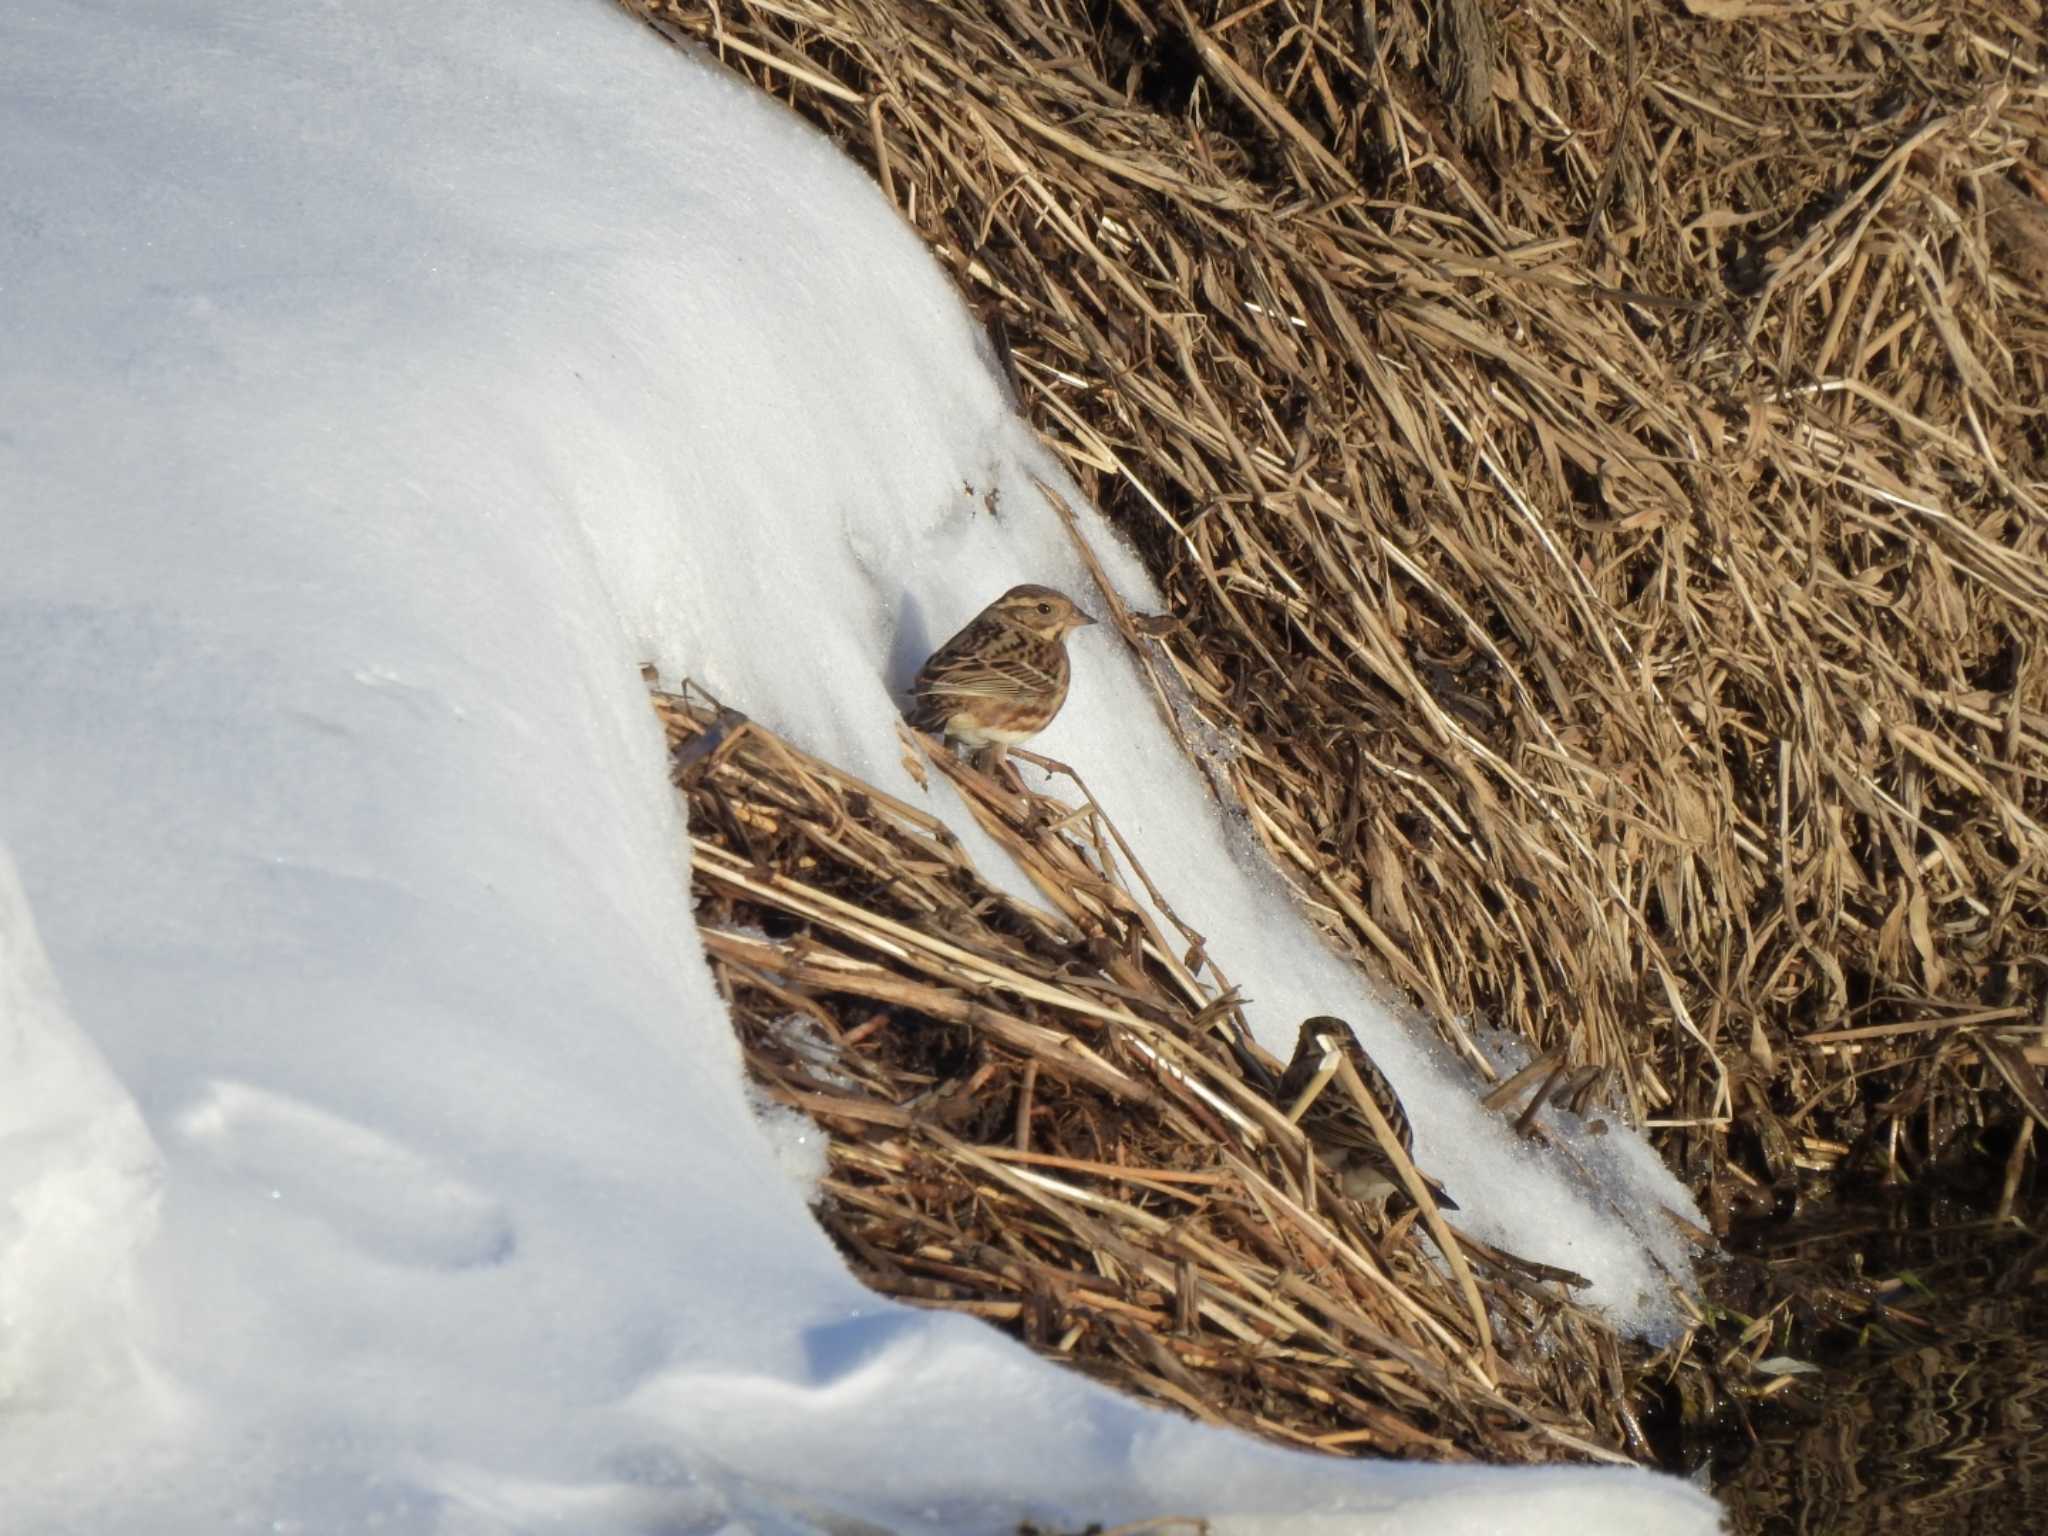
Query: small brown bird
x=1335, y=1126
x=1002, y=678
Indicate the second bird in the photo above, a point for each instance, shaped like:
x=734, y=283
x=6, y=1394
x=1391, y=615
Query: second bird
x=1334, y=1124
x=1002, y=678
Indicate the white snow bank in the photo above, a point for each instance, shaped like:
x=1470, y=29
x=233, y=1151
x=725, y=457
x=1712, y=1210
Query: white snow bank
x=383, y=383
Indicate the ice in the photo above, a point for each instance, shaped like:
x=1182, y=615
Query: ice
x=381, y=386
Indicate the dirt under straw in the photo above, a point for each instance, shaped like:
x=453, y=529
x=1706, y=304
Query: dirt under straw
x=1594, y=455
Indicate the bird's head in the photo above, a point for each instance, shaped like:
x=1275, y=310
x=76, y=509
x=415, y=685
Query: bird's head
x=1328, y=1031
x=1323, y=1033
x=1040, y=610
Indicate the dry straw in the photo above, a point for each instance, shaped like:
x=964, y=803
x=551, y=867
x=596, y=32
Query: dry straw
x=1594, y=455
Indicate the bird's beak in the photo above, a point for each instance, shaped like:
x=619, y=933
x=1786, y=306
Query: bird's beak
x=1081, y=619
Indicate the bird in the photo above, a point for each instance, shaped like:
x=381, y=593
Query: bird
x=1335, y=1126
x=1002, y=678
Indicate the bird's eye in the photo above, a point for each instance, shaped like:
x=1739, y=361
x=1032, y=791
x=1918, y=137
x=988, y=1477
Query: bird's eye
x=1045, y=607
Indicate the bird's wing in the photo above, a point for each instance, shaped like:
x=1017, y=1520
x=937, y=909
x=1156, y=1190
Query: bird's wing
x=1383, y=1094
x=980, y=664
x=1334, y=1117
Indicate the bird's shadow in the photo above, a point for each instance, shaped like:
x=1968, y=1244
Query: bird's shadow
x=912, y=645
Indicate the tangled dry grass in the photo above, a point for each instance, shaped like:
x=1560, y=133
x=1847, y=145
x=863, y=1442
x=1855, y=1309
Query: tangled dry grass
x=1594, y=454
x=1034, y=1120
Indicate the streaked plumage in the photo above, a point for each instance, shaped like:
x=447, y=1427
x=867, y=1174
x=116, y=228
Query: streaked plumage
x=1335, y=1126
x=1002, y=678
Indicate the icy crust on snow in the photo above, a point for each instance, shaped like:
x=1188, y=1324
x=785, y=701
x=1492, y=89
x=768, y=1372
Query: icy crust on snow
x=382, y=385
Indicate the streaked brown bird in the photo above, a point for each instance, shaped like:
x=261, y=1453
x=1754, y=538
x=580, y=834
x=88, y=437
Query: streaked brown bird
x=1335, y=1126
x=1002, y=678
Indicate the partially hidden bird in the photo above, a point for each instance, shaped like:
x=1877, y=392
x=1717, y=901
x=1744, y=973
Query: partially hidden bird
x=1332, y=1121
x=1002, y=678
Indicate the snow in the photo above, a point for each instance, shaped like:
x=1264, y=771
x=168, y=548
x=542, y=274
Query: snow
x=382, y=384
x=78, y=1185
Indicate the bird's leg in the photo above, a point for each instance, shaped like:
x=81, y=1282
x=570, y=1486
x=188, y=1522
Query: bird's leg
x=995, y=762
x=990, y=760
x=1325, y=1070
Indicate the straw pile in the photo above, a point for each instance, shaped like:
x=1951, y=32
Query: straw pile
x=1034, y=1120
x=1594, y=451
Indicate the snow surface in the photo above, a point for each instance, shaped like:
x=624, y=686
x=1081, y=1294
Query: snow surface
x=380, y=385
